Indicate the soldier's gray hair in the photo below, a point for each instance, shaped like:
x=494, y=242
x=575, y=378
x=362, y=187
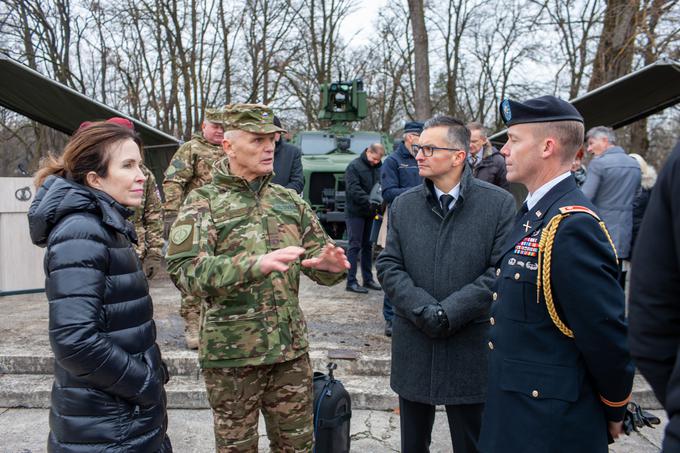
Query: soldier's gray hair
x=602, y=131
x=457, y=134
x=231, y=134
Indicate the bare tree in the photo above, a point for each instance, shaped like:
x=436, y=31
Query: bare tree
x=614, y=56
x=577, y=24
x=423, y=103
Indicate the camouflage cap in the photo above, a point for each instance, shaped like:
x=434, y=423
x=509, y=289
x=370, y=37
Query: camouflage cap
x=214, y=115
x=257, y=118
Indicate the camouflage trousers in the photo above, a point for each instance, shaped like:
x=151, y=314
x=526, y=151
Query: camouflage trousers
x=282, y=391
x=190, y=304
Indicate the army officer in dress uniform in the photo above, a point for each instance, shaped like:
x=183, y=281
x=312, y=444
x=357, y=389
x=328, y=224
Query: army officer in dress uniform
x=560, y=374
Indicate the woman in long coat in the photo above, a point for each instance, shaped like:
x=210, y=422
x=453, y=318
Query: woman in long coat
x=108, y=390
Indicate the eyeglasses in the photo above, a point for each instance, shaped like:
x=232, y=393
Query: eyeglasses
x=428, y=150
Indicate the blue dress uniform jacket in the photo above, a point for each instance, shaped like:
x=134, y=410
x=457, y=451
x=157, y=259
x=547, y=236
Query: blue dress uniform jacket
x=548, y=392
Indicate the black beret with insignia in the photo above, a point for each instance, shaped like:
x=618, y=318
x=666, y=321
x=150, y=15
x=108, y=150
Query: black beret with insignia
x=413, y=127
x=539, y=110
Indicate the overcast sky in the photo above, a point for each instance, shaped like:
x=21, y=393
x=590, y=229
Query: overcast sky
x=361, y=21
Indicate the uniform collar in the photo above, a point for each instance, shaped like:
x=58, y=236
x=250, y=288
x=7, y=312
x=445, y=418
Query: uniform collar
x=530, y=224
x=223, y=178
x=533, y=198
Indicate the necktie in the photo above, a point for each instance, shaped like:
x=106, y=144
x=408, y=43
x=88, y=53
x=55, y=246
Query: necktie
x=473, y=159
x=445, y=201
x=523, y=210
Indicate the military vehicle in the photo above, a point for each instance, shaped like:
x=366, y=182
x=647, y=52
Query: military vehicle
x=327, y=152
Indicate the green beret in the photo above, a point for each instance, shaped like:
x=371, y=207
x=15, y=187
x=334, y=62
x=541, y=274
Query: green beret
x=256, y=118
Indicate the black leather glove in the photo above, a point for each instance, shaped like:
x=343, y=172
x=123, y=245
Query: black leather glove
x=374, y=209
x=636, y=418
x=432, y=320
x=151, y=265
x=168, y=219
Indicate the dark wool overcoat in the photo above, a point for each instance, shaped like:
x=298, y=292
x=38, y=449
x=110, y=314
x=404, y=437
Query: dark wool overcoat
x=429, y=258
x=655, y=297
x=108, y=391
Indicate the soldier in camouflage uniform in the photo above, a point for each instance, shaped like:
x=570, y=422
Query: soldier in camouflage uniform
x=240, y=243
x=190, y=168
x=148, y=221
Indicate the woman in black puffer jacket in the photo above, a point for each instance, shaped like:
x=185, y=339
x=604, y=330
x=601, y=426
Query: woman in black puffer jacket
x=108, y=393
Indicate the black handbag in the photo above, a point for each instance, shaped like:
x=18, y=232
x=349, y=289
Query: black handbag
x=332, y=413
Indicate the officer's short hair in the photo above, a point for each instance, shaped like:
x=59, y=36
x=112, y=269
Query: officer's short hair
x=569, y=135
x=457, y=134
x=602, y=131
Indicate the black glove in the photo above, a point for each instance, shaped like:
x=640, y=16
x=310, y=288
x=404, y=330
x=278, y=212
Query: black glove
x=374, y=209
x=168, y=219
x=636, y=418
x=432, y=320
x=151, y=265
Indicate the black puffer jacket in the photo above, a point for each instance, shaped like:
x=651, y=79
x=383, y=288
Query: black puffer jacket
x=108, y=391
x=360, y=177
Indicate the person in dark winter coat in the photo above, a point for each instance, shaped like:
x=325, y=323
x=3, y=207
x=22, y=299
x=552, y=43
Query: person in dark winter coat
x=108, y=390
x=400, y=169
x=360, y=177
x=647, y=181
x=437, y=269
x=399, y=173
x=655, y=297
x=487, y=163
x=287, y=163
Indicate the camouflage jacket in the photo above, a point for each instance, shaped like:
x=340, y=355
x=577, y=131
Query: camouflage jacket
x=216, y=245
x=148, y=219
x=189, y=169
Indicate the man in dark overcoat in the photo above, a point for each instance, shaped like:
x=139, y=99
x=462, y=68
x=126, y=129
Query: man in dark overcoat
x=655, y=297
x=360, y=176
x=437, y=267
x=560, y=374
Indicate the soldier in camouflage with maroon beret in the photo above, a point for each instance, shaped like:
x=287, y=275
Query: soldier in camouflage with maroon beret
x=240, y=243
x=190, y=168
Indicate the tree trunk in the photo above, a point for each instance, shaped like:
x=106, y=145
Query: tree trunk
x=615, y=51
x=422, y=70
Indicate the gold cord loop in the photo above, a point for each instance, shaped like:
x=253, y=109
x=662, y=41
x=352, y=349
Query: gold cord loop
x=545, y=260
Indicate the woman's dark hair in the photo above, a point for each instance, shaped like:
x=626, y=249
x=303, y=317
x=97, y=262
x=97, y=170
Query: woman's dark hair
x=87, y=150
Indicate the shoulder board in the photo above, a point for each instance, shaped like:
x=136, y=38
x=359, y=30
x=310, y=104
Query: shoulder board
x=572, y=209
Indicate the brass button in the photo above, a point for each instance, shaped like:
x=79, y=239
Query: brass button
x=490, y=344
x=517, y=276
x=498, y=272
x=492, y=321
x=534, y=393
x=495, y=296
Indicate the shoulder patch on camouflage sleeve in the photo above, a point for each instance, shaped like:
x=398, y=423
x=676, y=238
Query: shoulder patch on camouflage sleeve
x=181, y=236
x=572, y=209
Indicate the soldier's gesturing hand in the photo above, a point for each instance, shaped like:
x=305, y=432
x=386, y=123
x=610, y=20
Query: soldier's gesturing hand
x=331, y=259
x=278, y=260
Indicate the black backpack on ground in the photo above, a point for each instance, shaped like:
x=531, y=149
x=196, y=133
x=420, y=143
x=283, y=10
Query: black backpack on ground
x=332, y=412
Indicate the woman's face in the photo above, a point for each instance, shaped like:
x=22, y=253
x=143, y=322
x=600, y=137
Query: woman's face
x=125, y=180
